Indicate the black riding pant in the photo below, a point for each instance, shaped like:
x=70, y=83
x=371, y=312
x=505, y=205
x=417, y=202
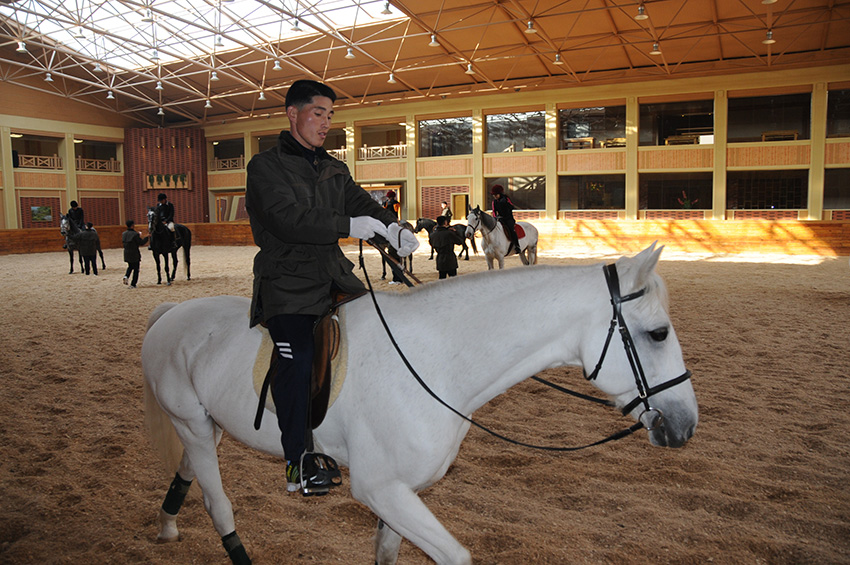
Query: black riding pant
x=134, y=269
x=293, y=338
x=90, y=262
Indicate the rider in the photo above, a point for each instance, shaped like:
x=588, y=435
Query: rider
x=300, y=202
x=503, y=210
x=165, y=214
x=76, y=215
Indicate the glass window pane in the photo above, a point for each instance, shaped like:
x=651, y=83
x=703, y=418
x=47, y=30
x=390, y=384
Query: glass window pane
x=764, y=190
x=836, y=189
x=675, y=191
x=229, y=148
x=515, y=132
x=677, y=123
x=596, y=125
x=770, y=118
x=445, y=136
x=592, y=192
x=527, y=193
x=838, y=113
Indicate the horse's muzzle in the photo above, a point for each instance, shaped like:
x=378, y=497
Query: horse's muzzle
x=673, y=428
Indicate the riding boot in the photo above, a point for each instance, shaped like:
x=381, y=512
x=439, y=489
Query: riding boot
x=515, y=241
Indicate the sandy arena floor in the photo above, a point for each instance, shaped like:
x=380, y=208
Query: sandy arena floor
x=764, y=480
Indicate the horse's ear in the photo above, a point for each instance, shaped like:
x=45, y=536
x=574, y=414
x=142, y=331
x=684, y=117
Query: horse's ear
x=643, y=265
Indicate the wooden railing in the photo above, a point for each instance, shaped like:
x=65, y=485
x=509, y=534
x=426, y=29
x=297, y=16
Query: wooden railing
x=228, y=164
x=341, y=153
x=40, y=162
x=382, y=152
x=104, y=165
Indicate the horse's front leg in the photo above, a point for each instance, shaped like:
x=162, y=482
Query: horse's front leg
x=71, y=256
x=158, y=269
x=174, y=268
x=102, y=262
x=432, y=253
x=387, y=544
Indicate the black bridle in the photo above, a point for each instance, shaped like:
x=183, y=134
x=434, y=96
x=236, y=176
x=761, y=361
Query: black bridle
x=644, y=390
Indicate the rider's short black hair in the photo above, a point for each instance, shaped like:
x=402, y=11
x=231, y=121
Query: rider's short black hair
x=130, y=224
x=74, y=204
x=302, y=92
x=162, y=196
x=442, y=220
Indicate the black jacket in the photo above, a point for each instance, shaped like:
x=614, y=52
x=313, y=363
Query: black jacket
x=132, y=240
x=443, y=239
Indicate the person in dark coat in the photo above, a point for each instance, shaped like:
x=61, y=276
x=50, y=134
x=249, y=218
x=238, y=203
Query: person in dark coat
x=165, y=215
x=76, y=215
x=132, y=240
x=88, y=242
x=392, y=204
x=503, y=210
x=300, y=202
x=443, y=239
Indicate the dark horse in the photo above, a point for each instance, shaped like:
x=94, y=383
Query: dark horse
x=161, y=245
x=428, y=225
x=69, y=229
x=406, y=263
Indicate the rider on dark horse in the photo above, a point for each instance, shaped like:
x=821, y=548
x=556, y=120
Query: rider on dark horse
x=77, y=217
x=165, y=215
x=503, y=210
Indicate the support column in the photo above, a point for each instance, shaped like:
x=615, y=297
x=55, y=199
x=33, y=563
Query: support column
x=10, y=202
x=721, y=134
x=412, y=205
x=552, y=196
x=632, y=140
x=478, y=192
x=820, y=96
x=69, y=165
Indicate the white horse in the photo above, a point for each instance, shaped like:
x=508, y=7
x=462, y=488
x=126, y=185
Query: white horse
x=394, y=437
x=496, y=243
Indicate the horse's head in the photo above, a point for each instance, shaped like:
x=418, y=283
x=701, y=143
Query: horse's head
x=151, y=218
x=643, y=371
x=420, y=225
x=66, y=226
x=473, y=221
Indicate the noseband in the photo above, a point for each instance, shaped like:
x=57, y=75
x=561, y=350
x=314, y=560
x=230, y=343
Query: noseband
x=654, y=416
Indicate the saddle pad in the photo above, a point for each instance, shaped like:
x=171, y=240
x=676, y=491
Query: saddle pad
x=520, y=233
x=339, y=365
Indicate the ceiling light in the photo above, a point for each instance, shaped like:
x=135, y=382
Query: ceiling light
x=78, y=140
x=262, y=95
x=219, y=42
x=469, y=70
x=155, y=55
x=530, y=29
x=97, y=67
x=277, y=66
x=148, y=18
x=434, y=42
x=110, y=96
x=349, y=54
x=78, y=34
x=557, y=60
x=641, y=15
x=208, y=104
x=161, y=112
x=386, y=11
x=48, y=78
x=391, y=80
x=655, y=50
x=158, y=85
x=22, y=47
x=16, y=135
x=768, y=38
x=768, y=1
x=295, y=26
x=213, y=76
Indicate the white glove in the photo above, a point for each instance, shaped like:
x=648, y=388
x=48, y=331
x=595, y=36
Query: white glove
x=402, y=240
x=365, y=227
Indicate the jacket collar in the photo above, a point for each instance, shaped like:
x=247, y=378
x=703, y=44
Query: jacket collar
x=289, y=146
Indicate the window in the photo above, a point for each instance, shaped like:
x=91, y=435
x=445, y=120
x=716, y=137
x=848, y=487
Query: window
x=675, y=191
x=584, y=128
x=385, y=141
x=228, y=148
x=100, y=150
x=266, y=142
x=677, y=123
x=592, y=192
x=516, y=132
x=770, y=118
x=836, y=189
x=764, y=190
x=527, y=193
x=838, y=113
x=445, y=136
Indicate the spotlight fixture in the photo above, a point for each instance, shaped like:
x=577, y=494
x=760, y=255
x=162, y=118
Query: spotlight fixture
x=48, y=78
x=641, y=15
x=219, y=41
x=277, y=66
x=391, y=80
x=557, y=60
x=469, y=70
x=213, y=76
x=158, y=85
x=349, y=54
x=295, y=26
x=161, y=112
x=78, y=33
x=434, y=42
x=110, y=96
x=97, y=67
x=148, y=17
x=208, y=104
x=22, y=47
x=655, y=49
x=530, y=29
x=768, y=38
x=262, y=96
x=386, y=11
x=155, y=55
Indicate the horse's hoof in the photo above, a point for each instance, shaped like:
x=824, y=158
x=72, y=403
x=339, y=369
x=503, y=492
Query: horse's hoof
x=172, y=539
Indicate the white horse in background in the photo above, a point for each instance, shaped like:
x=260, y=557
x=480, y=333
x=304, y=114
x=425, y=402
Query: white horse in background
x=394, y=437
x=496, y=243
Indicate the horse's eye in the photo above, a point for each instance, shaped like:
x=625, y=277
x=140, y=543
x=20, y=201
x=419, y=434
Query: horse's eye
x=659, y=335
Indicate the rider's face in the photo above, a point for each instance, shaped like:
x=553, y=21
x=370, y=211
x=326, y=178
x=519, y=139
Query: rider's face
x=310, y=123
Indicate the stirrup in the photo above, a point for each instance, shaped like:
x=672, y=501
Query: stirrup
x=319, y=475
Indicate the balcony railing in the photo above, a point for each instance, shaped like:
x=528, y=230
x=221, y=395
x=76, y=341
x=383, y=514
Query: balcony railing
x=341, y=153
x=228, y=164
x=382, y=152
x=103, y=165
x=40, y=162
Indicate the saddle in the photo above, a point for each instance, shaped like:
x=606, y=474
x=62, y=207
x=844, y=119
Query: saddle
x=326, y=339
x=520, y=233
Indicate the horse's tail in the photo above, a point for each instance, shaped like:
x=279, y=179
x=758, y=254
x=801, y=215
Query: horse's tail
x=160, y=428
